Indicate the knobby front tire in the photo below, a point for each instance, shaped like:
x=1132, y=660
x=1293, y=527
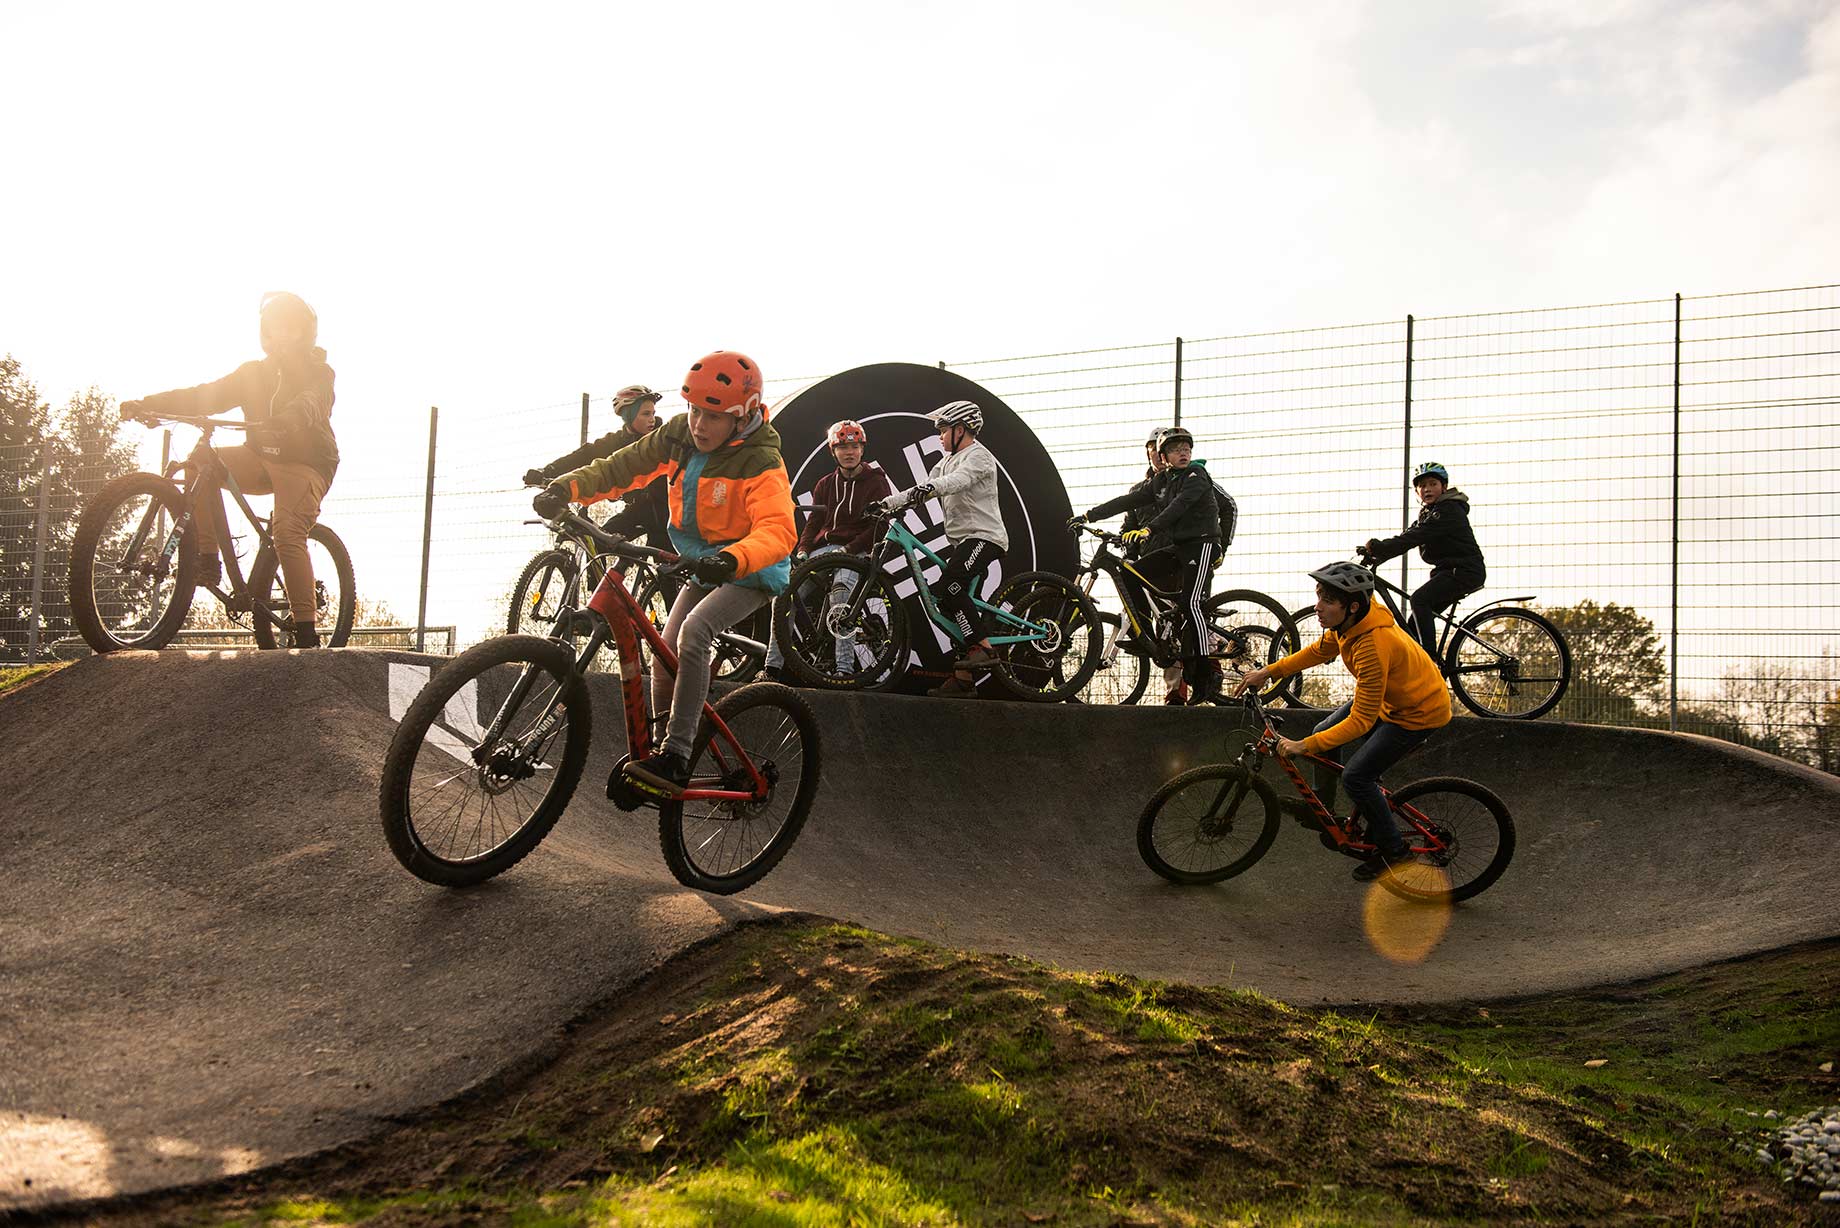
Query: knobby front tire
x=1509, y=662
x=1208, y=824
x=334, y=611
x=1472, y=823
x=115, y=601
x=807, y=631
x=455, y=814
x=722, y=847
x=546, y=584
x=1052, y=669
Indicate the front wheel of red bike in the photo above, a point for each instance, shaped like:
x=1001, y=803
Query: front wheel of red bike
x=1208, y=824
x=485, y=760
x=724, y=846
x=1462, y=834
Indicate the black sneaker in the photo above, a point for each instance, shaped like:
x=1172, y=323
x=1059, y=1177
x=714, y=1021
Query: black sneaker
x=779, y=674
x=664, y=774
x=1382, y=863
x=306, y=635
x=210, y=572
x=955, y=687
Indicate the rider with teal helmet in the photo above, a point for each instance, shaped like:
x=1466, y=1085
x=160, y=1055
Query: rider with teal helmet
x=1445, y=540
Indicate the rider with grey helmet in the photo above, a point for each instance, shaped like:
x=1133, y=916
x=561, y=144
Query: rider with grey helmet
x=1445, y=540
x=1399, y=701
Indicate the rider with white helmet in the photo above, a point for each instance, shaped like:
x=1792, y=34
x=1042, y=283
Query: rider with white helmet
x=965, y=481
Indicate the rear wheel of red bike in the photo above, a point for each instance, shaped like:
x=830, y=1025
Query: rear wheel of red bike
x=485, y=760
x=1462, y=833
x=1208, y=824
x=724, y=846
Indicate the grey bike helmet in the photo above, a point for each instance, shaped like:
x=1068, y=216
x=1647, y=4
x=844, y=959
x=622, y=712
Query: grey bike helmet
x=1345, y=577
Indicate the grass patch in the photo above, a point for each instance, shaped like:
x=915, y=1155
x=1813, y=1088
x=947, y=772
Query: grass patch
x=806, y=1074
x=13, y=677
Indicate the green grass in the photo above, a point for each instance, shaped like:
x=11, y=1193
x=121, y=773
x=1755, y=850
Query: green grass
x=15, y=676
x=818, y=1075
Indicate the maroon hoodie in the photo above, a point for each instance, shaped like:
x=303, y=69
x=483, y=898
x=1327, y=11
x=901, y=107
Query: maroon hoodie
x=842, y=518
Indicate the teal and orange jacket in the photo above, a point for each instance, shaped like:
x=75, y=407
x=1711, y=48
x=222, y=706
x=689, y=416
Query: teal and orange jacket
x=736, y=499
x=1394, y=681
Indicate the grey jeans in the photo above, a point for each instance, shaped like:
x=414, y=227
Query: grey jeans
x=697, y=616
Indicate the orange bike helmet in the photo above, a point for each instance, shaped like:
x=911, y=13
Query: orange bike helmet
x=847, y=431
x=726, y=381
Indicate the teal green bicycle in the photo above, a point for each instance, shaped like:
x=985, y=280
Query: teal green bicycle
x=843, y=626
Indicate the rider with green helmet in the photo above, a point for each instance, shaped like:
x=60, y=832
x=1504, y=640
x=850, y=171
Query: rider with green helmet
x=1445, y=540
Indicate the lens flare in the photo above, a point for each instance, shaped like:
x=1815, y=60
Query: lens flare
x=1403, y=930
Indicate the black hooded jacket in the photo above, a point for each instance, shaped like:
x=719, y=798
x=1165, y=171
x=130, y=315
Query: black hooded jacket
x=645, y=514
x=1184, y=506
x=1442, y=534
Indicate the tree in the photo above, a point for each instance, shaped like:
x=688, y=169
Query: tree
x=85, y=450
x=1617, y=661
x=24, y=424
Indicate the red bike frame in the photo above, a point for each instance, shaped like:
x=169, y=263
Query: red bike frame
x=1268, y=745
x=626, y=624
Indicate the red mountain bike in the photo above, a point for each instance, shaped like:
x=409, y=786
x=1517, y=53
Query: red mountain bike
x=1213, y=822
x=490, y=751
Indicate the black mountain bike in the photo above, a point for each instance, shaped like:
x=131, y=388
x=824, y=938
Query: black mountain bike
x=134, y=559
x=1249, y=628
x=1504, y=660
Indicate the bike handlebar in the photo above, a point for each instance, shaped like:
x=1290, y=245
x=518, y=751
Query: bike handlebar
x=197, y=420
x=613, y=543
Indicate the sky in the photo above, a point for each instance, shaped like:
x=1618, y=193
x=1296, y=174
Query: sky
x=495, y=208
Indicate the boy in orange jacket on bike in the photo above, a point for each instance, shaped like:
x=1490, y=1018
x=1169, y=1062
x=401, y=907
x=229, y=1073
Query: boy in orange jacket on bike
x=1399, y=701
x=731, y=518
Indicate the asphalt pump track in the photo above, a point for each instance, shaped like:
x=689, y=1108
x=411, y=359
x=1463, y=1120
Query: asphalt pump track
x=210, y=962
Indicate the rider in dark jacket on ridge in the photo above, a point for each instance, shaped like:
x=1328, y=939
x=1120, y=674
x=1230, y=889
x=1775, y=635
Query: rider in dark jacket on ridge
x=1445, y=540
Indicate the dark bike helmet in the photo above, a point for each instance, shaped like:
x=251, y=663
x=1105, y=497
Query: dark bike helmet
x=1173, y=436
x=1156, y=437
x=1431, y=469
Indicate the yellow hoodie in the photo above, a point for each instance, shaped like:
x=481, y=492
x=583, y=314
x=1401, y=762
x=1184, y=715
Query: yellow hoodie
x=1394, y=680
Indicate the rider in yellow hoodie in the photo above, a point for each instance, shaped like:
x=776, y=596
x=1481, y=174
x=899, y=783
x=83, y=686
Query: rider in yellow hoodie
x=1399, y=700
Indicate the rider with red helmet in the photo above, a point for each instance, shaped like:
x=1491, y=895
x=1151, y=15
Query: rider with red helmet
x=843, y=499
x=731, y=515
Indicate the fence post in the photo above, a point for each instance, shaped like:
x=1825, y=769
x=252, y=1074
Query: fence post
x=584, y=418
x=421, y=607
x=1405, y=495
x=38, y=554
x=1178, y=405
x=1674, y=536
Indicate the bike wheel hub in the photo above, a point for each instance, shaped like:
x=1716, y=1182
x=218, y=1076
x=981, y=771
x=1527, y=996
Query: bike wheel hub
x=504, y=768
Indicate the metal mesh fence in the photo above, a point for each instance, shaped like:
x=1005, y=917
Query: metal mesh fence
x=1657, y=475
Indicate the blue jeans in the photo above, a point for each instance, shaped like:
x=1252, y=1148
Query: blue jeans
x=1386, y=745
x=843, y=580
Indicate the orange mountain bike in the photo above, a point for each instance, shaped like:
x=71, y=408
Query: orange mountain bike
x=1213, y=822
x=489, y=753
